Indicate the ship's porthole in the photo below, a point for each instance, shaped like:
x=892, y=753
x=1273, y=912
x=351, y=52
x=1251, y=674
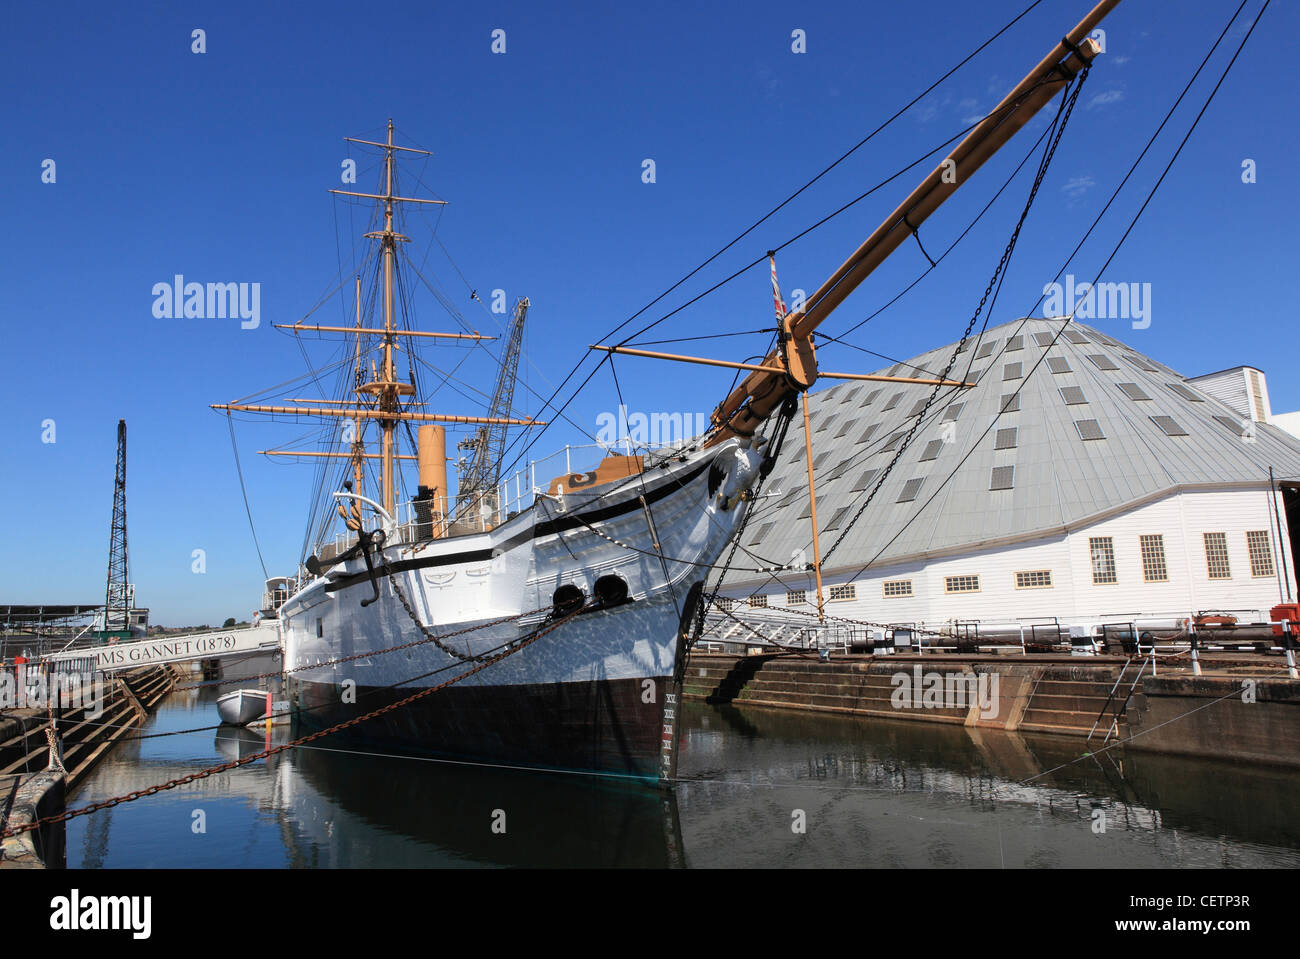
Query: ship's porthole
x=568, y=599
x=611, y=590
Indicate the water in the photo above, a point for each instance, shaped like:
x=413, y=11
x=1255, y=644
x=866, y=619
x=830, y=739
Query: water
x=768, y=789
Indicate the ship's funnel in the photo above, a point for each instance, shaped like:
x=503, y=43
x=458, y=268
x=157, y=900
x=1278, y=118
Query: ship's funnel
x=431, y=501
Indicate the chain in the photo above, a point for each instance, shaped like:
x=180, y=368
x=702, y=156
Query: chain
x=1062, y=118
x=266, y=753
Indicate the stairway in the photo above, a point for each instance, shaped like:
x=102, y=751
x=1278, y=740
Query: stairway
x=128, y=698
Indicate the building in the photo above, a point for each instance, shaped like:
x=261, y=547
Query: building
x=1078, y=480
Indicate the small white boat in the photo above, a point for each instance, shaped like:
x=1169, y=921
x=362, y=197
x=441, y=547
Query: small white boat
x=242, y=706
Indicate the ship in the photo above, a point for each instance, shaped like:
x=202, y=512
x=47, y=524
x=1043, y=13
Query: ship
x=552, y=635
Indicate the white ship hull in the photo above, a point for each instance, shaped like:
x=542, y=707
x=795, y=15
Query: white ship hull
x=596, y=693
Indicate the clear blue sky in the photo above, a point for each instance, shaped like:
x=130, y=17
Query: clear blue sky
x=216, y=166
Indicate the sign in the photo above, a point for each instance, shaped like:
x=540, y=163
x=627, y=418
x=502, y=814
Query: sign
x=175, y=649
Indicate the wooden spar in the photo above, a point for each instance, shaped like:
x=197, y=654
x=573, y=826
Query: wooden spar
x=761, y=393
x=297, y=327
x=388, y=399
x=775, y=369
x=342, y=456
x=812, y=504
x=370, y=414
x=388, y=146
x=389, y=198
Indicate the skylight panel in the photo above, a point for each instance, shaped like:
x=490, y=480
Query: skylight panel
x=1169, y=425
x=1002, y=477
x=1185, y=393
x=864, y=481
x=838, y=518
x=1102, y=361
x=910, y=489
x=1089, y=430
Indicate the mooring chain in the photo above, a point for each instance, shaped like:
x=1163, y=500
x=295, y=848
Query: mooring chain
x=1063, y=113
x=433, y=637
x=267, y=753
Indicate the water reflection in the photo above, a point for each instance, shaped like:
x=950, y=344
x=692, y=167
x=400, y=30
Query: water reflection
x=866, y=793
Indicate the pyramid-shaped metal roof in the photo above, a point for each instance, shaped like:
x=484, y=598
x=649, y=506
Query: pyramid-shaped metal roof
x=1096, y=428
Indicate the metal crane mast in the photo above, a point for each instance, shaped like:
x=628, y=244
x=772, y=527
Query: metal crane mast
x=478, y=481
x=118, y=595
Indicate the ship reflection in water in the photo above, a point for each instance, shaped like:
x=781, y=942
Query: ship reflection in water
x=767, y=788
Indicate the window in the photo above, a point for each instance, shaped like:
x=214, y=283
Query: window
x=1058, y=364
x=910, y=489
x=795, y=597
x=1169, y=425
x=839, y=471
x=893, y=401
x=1089, y=430
x=1010, y=402
x=867, y=433
x=897, y=587
x=985, y=350
x=1102, y=361
x=849, y=394
x=820, y=461
x=1006, y=439
x=1076, y=337
x=848, y=425
x=1011, y=371
x=757, y=601
x=1073, y=396
x=1261, y=552
x=1185, y=393
x=837, y=519
x=1153, y=558
x=871, y=397
x=1043, y=339
x=952, y=412
x=918, y=407
x=961, y=584
x=892, y=441
x=846, y=591
x=864, y=481
x=1102, y=550
x=761, y=535
x=1002, y=477
x=725, y=603
x=1133, y=391
x=1216, y=556
x=931, y=450
x=1015, y=343
x=1242, y=428
x=1034, y=579
x=823, y=421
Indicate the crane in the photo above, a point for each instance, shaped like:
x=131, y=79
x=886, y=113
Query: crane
x=478, y=480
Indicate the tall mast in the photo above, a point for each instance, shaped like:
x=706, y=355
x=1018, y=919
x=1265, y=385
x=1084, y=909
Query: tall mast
x=388, y=396
x=358, y=444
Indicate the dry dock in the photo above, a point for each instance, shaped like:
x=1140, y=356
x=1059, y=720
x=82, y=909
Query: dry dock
x=1242, y=708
